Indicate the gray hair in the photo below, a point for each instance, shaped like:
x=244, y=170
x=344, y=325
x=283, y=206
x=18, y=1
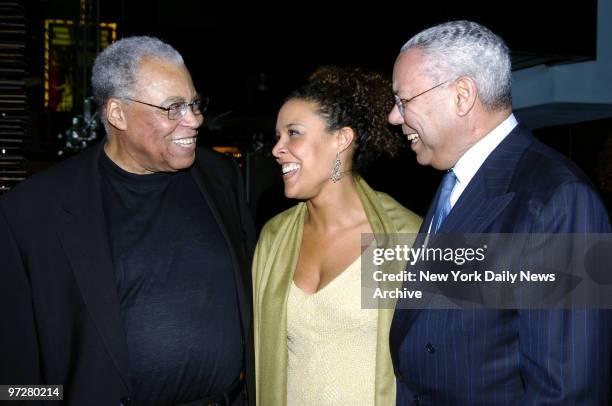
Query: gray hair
x=115, y=70
x=459, y=48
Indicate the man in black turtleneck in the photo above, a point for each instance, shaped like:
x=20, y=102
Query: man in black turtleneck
x=127, y=267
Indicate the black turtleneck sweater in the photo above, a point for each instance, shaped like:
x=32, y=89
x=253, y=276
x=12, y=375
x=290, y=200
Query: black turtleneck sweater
x=175, y=284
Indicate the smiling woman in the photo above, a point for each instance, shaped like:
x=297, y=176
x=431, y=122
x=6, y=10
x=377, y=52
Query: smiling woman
x=314, y=343
x=334, y=123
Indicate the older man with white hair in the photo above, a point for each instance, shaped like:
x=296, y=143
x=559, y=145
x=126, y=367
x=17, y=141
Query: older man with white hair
x=125, y=270
x=453, y=101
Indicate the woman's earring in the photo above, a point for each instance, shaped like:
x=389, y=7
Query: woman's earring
x=336, y=174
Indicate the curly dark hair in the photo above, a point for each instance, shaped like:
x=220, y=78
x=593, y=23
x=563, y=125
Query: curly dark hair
x=358, y=99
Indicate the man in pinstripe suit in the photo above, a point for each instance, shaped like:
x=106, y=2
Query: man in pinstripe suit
x=453, y=100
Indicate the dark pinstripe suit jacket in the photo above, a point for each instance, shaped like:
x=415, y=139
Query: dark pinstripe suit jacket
x=511, y=357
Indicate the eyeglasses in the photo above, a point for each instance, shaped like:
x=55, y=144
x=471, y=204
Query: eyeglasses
x=401, y=103
x=177, y=110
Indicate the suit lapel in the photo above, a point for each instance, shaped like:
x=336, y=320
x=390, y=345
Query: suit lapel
x=213, y=194
x=82, y=232
x=487, y=194
x=476, y=209
x=480, y=204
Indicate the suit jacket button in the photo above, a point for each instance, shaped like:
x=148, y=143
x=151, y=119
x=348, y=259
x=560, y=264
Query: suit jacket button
x=125, y=401
x=430, y=348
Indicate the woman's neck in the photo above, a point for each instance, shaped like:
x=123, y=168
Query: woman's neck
x=337, y=206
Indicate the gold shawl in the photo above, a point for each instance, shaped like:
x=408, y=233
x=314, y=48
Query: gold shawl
x=275, y=260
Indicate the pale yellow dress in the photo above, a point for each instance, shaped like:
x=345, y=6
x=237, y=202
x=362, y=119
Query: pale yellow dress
x=274, y=263
x=331, y=344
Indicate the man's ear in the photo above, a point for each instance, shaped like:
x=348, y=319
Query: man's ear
x=345, y=138
x=115, y=114
x=466, y=93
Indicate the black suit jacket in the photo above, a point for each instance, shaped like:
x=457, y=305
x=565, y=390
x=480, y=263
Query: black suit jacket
x=58, y=301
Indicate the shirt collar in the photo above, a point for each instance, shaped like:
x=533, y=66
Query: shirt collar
x=469, y=163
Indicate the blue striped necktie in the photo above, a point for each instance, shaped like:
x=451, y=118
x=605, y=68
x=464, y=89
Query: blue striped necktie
x=443, y=206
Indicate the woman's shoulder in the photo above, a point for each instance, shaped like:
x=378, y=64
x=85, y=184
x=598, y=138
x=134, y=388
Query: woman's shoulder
x=405, y=220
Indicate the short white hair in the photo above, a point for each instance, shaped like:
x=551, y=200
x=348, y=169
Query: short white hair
x=466, y=48
x=115, y=70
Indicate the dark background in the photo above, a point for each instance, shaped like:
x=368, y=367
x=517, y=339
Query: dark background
x=248, y=57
